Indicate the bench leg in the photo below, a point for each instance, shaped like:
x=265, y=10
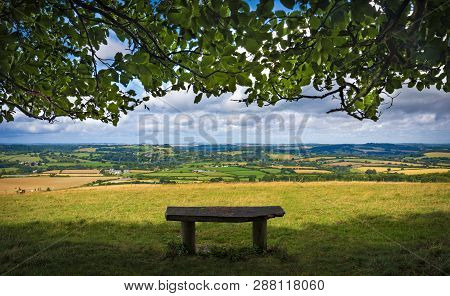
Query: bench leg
x=260, y=235
x=188, y=236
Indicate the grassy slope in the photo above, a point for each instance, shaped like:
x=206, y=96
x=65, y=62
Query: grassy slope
x=330, y=228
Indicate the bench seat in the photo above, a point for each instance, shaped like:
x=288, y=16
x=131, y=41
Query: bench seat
x=189, y=215
x=223, y=214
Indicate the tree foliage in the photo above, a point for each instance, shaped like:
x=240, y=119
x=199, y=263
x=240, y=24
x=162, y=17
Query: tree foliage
x=357, y=51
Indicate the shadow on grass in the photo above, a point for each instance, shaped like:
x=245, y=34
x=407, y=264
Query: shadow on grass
x=368, y=245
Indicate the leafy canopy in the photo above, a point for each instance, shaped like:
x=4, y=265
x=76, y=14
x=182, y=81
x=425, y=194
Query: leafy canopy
x=357, y=51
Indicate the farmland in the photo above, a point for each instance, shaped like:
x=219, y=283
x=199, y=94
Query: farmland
x=42, y=183
x=438, y=154
x=346, y=228
x=131, y=164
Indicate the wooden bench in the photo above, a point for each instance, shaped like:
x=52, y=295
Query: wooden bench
x=189, y=215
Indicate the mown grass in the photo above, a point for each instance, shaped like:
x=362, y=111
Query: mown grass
x=330, y=228
x=438, y=154
x=10, y=185
x=415, y=171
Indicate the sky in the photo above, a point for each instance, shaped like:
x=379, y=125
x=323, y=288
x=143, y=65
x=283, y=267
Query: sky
x=415, y=117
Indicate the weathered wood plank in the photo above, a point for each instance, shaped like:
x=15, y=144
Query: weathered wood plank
x=223, y=214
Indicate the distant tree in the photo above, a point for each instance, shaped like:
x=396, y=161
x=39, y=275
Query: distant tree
x=371, y=172
x=165, y=180
x=269, y=177
x=252, y=178
x=358, y=51
x=218, y=179
x=287, y=171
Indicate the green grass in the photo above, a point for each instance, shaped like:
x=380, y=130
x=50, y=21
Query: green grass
x=330, y=228
x=271, y=171
x=8, y=170
x=83, y=162
x=438, y=154
x=19, y=157
x=240, y=171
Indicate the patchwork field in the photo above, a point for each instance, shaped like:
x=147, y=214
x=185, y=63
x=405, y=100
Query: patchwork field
x=330, y=228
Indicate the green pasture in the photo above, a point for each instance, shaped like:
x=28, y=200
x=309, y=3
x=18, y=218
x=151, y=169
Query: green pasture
x=330, y=228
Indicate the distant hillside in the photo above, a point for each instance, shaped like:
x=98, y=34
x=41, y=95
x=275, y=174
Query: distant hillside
x=376, y=149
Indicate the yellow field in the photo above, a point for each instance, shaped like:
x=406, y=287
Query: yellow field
x=230, y=152
x=424, y=171
x=295, y=167
x=438, y=154
x=312, y=172
x=88, y=149
x=234, y=163
x=317, y=158
x=282, y=156
x=93, y=171
x=343, y=163
x=380, y=169
x=80, y=173
x=377, y=161
x=404, y=171
x=10, y=185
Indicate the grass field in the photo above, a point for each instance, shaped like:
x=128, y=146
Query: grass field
x=19, y=157
x=438, y=154
x=87, y=149
x=282, y=156
x=330, y=228
x=302, y=171
x=418, y=171
x=73, y=172
x=10, y=185
x=424, y=171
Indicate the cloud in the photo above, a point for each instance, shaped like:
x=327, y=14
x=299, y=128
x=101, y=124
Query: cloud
x=113, y=46
x=414, y=117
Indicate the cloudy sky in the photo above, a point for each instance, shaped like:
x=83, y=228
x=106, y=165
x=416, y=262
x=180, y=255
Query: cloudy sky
x=415, y=117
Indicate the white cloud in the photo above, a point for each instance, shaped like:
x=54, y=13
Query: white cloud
x=414, y=117
x=113, y=46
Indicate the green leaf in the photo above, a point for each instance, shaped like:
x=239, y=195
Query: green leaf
x=288, y=3
x=140, y=57
x=113, y=108
x=265, y=7
x=118, y=57
x=420, y=86
x=314, y=22
x=338, y=17
x=243, y=79
x=251, y=45
x=225, y=11
x=323, y=4
x=198, y=98
x=359, y=104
